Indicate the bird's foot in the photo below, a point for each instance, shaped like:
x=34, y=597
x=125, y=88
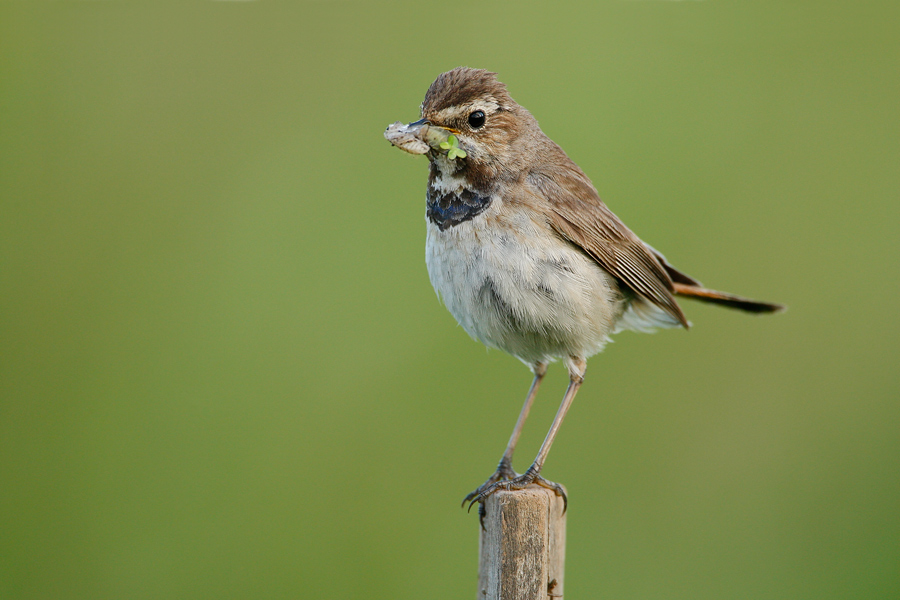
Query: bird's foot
x=504, y=472
x=518, y=482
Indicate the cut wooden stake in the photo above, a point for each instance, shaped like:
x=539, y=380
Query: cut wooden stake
x=522, y=549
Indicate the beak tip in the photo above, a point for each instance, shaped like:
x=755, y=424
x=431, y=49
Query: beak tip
x=406, y=138
x=418, y=137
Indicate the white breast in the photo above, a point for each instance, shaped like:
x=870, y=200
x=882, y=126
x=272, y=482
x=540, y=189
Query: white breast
x=513, y=284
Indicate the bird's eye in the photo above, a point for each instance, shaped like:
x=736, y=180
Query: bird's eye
x=476, y=119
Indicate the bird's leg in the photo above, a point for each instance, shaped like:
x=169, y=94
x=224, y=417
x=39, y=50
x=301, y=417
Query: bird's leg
x=532, y=475
x=504, y=469
x=505, y=466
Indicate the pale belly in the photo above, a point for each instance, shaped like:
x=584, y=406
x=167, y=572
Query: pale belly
x=514, y=285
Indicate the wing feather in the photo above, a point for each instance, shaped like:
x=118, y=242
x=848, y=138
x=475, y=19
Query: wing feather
x=579, y=216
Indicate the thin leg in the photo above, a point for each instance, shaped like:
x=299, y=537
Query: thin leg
x=538, y=463
x=504, y=469
x=539, y=371
x=532, y=475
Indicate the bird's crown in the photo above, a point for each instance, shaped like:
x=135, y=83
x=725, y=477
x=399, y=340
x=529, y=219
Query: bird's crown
x=462, y=86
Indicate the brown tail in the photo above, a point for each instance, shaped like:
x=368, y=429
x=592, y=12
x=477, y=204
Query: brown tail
x=725, y=299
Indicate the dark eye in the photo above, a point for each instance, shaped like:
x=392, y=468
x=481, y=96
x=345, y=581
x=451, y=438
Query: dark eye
x=476, y=119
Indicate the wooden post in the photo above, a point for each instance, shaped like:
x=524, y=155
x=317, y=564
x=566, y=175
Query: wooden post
x=522, y=549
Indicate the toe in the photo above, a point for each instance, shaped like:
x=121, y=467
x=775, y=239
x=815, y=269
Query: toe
x=557, y=488
x=501, y=475
x=517, y=483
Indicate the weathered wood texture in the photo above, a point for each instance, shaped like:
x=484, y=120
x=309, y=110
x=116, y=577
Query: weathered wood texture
x=523, y=546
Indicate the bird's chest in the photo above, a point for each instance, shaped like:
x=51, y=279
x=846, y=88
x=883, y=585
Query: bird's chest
x=473, y=265
x=513, y=284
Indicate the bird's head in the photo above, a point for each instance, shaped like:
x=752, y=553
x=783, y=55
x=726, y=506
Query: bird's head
x=470, y=128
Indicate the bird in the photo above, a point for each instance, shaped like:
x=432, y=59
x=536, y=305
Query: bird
x=525, y=255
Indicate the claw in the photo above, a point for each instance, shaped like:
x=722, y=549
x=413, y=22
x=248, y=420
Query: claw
x=555, y=487
x=504, y=472
x=519, y=482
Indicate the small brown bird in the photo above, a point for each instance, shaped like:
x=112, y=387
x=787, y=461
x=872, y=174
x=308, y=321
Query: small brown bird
x=524, y=253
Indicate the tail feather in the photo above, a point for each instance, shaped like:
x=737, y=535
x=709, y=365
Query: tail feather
x=725, y=299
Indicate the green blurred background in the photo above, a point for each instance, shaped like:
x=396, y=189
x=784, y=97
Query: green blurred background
x=223, y=371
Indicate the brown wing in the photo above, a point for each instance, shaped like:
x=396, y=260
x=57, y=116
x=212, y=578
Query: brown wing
x=578, y=215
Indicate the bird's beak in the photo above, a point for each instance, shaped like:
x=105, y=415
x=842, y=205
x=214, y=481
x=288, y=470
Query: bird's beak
x=418, y=137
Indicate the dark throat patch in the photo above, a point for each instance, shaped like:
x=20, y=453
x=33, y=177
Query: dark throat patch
x=449, y=210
